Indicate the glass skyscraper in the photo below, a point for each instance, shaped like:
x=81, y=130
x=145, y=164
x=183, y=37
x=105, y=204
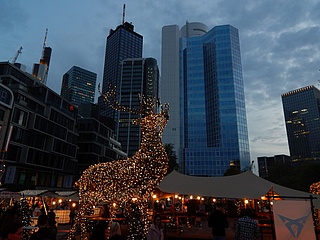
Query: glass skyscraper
x=138, y=76
x=78, y=86
x=302, y=118
x=210, y=96
x=122, y=43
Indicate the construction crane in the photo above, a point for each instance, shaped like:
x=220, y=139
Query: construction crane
x=17, y=55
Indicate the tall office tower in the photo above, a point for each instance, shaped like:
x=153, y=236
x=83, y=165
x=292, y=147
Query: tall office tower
x=138, y=76
x=207, y=98
x=169, y=85
x=121, y=43
x=78, y=86
x=40, y=70
x=302, y=117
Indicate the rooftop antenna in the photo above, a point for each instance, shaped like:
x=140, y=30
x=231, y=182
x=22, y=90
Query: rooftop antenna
x=123, y=13
x=17, y=55
x=44, y=41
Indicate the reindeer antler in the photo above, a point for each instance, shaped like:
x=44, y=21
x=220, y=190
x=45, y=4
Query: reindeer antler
x=147, y=104
x=111, y=100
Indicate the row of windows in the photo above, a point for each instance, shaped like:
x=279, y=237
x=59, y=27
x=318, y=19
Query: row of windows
x=44, y=159
x=29, y=103
x=90, y=147
x=62, y=119
x=206, y=163
x=65, y=148
x=50, y=127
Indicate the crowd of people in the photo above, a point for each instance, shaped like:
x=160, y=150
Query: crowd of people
x=12, y=228
x=246, y=227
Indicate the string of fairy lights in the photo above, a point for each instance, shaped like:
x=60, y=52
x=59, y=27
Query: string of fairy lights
x=128, y=182
x=315, y=188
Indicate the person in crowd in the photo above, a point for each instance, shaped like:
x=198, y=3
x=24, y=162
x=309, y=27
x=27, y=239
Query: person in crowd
x=155, y=230
x=191, y=211
x=105, y=212
x=44, y=232
x=246, y=227
x=52, y=224
x=12, y=231
x=11, y=215
x=218, y=222
x=115, y=231
x=72, y=215
x=99, y=232
x=36, y=210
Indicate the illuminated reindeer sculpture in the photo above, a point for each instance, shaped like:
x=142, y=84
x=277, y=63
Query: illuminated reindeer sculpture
x=130, y=181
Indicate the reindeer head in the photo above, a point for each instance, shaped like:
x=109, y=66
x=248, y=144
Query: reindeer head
x=154, y=122
x=150, y=120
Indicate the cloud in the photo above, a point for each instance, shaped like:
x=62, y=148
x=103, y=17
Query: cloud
x=279, y=45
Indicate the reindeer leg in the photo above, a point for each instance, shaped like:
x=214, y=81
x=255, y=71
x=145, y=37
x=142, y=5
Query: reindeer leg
x=74, y=226
x=87, y=208
x=84, y=208
x=144, y=217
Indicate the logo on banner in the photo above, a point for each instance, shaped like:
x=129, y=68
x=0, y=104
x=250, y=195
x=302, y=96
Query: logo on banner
x=294, y=226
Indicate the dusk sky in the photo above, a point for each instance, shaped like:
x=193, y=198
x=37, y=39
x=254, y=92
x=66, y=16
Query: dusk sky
x=280, y=45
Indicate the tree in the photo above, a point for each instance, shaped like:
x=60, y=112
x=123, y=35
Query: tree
x=299, y=176
x=172, y=158
x=232, y=171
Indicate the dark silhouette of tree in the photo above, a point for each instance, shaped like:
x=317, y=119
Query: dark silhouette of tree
x=172, y=157
x=232, y=171
x=299, y=176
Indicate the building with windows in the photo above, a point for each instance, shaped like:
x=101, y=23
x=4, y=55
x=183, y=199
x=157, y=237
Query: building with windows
x=41, y=143
x=302, y=118
x=266, y=163
x=122, y=43
x=46, y=142
x=202, y=81
x=78, y=86
x=6, y=104
x=96, y=142
x=138, y=76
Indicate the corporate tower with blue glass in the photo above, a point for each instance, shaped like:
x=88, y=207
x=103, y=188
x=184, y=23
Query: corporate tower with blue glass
x=206, y=98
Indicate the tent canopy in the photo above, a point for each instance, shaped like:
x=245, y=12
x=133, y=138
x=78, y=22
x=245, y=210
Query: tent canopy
x=243, y=185
x=32, y=193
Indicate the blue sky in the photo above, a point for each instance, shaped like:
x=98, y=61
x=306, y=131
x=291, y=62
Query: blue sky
x=280, y=45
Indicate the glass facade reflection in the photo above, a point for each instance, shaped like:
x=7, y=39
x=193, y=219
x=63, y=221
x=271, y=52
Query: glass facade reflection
x=302, y=117
x=212, y=111
x=78, y=86
x=139, y=76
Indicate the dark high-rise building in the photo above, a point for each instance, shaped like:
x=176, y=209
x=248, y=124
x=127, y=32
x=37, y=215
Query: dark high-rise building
x=302, y=118
x=202, y=81
x=96, y=140
x=122, y=43
x=266, y=163
x=138, y=76
x=78, y=86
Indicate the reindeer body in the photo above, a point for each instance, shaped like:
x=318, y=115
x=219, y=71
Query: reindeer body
x=120, y=181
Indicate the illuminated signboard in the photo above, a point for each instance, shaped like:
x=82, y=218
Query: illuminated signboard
x=6, y=96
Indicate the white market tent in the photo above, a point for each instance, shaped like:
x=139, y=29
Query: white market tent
x=243, y=185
